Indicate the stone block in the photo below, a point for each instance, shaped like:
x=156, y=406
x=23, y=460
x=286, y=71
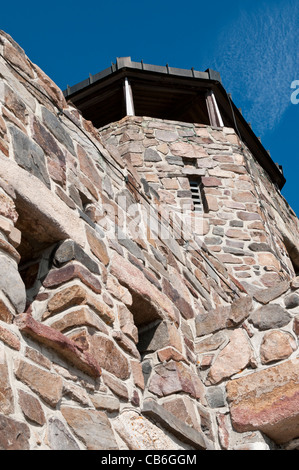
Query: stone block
x=118, y=291
x=154, y=337
x=211, y=343
x=47, y=385
x=118, y=387
x=47, y=142
x=87, y=166
x=15, y=104
x=216, y=397
x=16, y=56
x=186, y=150
x=43, y=215
x=235, y=357
x=138, y=377
x=215, y=320
x=97, y=246
x=108, y=403
x=6, y=392
x=267, y=400
x=79, y=317
x=240, y=310
x=174, y=377
x=75, y=295
x=14, y=435
x=184, y=409
x=109, y=356
x=29, y=155
x=69, y=250
x=126, y=344
x=31, y=408
x=265, y=296
x=169, y=353
x=140, y=433
x=58, y=130
x=92, y=427
x=151, y=155
x=270, y=316
x=8, y=208
x=58, y=342
x=72, y=271
x=11, y=284
x=58, y=437
x=276, y=346
x=211, y=181
x=175, y=426
x=9, y=338
x=291, y=301
x=166, y=136
x=179, y=299
x=259, y=247
x=269, y=261
x=6, y=312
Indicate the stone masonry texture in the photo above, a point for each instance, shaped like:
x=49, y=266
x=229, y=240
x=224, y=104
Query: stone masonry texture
x=129, y=321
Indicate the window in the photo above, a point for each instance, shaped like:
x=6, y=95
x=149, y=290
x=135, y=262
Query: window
x=196, y=194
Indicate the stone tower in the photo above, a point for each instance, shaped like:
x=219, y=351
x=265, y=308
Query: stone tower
x=148, y=289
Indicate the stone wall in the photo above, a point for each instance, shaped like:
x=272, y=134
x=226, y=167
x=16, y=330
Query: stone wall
x=123, y=322
x=246, y=221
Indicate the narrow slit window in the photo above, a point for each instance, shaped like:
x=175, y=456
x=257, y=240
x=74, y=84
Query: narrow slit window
x=196, y=195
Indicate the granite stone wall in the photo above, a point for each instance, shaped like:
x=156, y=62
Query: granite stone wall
x=127, y=319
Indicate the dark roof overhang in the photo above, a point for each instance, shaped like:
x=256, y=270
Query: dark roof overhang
x=167, y=93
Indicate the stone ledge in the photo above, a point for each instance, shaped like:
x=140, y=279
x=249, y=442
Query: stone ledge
x=55, y=340
x=176, y=427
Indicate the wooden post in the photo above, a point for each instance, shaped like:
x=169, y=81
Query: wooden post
x=213, y=110
x=129, y=98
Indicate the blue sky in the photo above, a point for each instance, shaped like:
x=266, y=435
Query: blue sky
x=254, y=44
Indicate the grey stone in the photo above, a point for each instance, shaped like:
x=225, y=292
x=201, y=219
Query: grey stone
x=259, y=247
x=265, y=296
x=184, y=193
x=197, y=286
x=166, y=136
x=213, y=241
x=151, y=155
x=154, y=337
x=146, y=370
x=291, y=301
x=233, y=251
x=56, y=127
x=11, y=284
x=105, y=402
x=131, y=246
x=159, y=257
x=270, y=316
x=69, y=250
x=218, y=231
x=236, y=223
x=47, y=142
x=29, y=155
x=59, y=438
x=172, y=160
x=216, y=397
